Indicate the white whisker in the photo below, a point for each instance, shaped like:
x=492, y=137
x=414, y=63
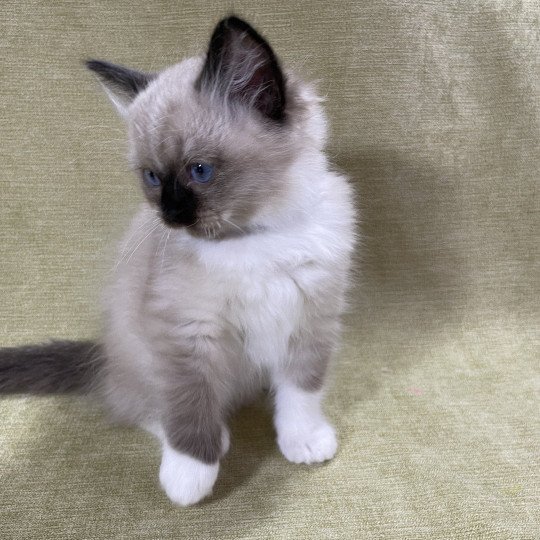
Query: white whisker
x=140, y=243
x=234, y=225
x=149, y=222
x=163, y=251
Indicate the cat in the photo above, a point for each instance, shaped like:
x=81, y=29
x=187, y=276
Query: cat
x=233, y=274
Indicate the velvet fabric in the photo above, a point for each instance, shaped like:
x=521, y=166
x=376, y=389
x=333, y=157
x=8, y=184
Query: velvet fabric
x=435, y=115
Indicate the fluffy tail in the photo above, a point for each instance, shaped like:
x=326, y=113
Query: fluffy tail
x=53, y=368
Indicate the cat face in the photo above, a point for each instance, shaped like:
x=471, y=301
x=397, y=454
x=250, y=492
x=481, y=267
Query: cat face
x=212, y=163
x=212, y=138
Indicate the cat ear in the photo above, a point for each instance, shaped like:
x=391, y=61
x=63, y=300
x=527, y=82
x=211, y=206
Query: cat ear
x=242, y=67
x=121, y=84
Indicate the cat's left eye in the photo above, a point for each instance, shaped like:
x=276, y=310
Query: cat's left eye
x=201, y=172
x=151, y=178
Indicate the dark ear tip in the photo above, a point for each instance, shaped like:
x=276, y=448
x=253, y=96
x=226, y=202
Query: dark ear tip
x=232, y=22
x=94, y=65
x=124, y=80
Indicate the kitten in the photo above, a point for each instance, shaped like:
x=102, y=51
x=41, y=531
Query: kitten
x=233, y=273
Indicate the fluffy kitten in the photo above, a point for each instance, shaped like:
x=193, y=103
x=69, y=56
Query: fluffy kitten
x=232, y=275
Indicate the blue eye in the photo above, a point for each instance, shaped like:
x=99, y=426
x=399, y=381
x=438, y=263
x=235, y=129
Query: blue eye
x=151, y=178
x=201, y=172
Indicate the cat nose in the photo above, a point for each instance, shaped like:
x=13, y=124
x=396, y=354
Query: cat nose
x=178, y=205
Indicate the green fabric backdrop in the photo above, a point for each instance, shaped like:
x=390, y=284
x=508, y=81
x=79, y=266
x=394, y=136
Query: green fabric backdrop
x=435, y=111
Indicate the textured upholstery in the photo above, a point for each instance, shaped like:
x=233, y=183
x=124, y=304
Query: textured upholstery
x=435, y=112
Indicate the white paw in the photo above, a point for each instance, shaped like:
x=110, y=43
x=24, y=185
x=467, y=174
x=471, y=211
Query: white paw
x=314, y=445
x=186, y=480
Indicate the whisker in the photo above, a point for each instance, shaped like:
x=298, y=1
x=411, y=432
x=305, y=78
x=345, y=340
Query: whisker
x=234, y=225
x=193, y=224
x=163, y=251
x=152, y=222
x=162, y=237
x=140, y=243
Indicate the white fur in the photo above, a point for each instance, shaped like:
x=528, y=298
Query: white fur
x=304, y=434
x=186, y=480
x=300, y=250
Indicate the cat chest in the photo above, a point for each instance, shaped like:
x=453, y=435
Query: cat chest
x=263, y=309
x=253, y=291
x=266, y=309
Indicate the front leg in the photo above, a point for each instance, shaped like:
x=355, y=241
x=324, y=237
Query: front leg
x=194, y=435
x=303, y=433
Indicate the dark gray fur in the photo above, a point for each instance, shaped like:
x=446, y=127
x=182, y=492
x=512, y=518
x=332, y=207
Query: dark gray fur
x=192, y=419
x=125, y=80
x=58, y=367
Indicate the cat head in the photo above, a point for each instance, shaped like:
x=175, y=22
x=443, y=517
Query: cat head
x=214, y=138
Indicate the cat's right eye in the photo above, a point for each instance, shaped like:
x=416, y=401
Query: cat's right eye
x=151, y=178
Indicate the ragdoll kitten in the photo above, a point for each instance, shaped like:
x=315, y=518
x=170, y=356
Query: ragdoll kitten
x=232, y=275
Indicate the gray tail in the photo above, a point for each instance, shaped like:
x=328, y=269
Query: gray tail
x=53, y=368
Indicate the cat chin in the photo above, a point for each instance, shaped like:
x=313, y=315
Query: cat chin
x=206, y=227
x=215, y=231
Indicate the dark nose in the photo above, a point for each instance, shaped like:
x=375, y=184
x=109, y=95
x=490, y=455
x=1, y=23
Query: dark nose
x=178, y=204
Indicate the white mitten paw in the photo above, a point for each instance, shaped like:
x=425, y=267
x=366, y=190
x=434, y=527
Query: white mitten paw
x=186, y=480
x=312, y=445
